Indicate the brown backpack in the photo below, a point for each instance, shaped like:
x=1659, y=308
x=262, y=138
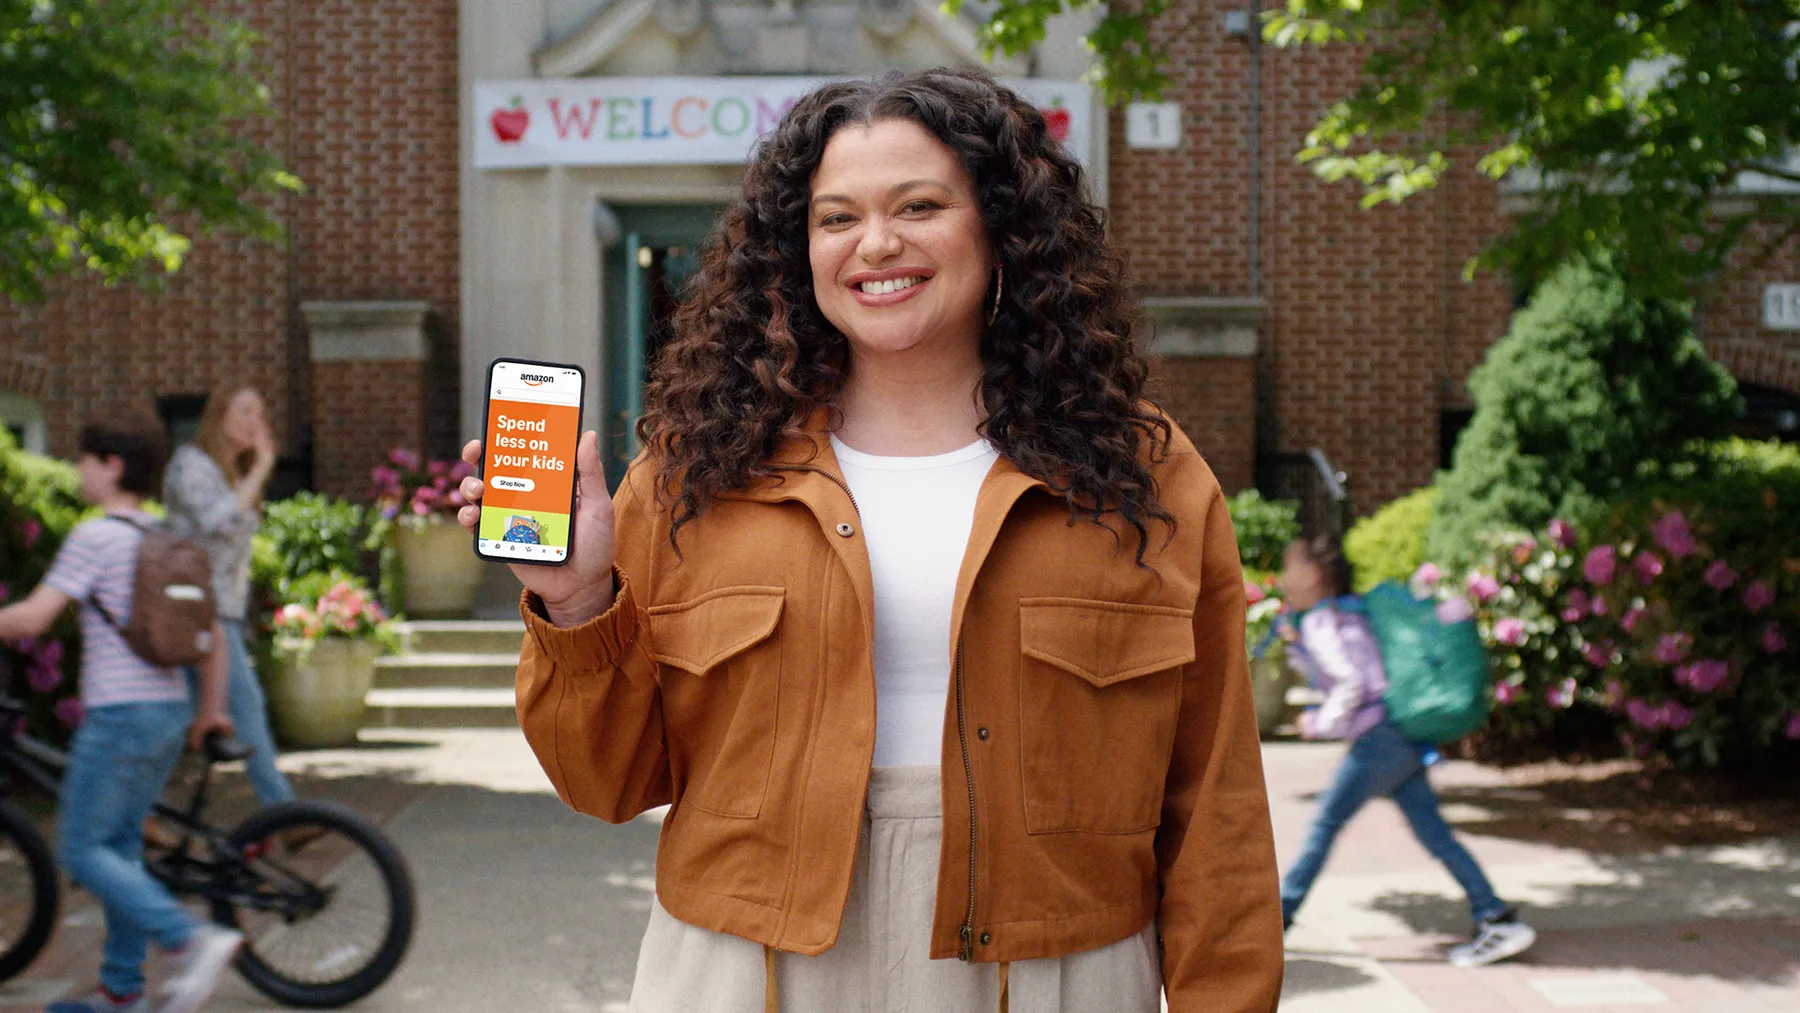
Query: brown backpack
x=172, y=605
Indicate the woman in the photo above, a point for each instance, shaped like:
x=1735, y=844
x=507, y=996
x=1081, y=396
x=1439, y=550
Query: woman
x=1335, y=646
x=213, y=490
x=929, y=628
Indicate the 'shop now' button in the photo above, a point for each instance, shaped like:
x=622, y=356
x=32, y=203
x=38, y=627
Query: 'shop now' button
x=511, y=484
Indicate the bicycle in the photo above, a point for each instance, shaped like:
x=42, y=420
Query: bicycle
x=283, y=877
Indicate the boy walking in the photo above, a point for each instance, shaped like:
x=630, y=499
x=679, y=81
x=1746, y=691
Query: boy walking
x=138, y=716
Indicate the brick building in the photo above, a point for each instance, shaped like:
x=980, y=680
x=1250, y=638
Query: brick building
x=427, y=242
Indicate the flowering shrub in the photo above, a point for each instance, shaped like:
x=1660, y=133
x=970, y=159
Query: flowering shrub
x=1688, y=644
x=413, y=489
x=343, y=608
x=1263, y=598
x=40, y=502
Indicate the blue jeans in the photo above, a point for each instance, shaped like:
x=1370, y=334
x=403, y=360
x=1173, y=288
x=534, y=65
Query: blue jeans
x=119, y=762
x=1382, y=762
x=249, y=716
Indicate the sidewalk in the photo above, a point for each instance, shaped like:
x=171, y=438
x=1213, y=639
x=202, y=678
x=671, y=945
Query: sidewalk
x=526, y=906
x=1621, y=928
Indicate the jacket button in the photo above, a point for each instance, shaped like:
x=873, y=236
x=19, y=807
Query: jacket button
x=845, y=530
x=981, y=733
x=986, y=939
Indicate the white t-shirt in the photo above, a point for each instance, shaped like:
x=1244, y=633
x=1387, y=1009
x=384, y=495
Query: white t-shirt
x=916, y=515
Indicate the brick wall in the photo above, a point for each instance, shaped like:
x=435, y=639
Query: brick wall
x=366, y=114
x=374, y=112
x=1367, y=330
x=1730, y=321
x=1213, y=400
x=345, y=390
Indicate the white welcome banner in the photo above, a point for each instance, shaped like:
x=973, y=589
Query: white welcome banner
x=683, y=120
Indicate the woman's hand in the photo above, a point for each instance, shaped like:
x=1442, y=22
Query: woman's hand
x=581, y=588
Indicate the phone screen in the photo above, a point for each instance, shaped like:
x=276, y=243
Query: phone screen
x=528, y=461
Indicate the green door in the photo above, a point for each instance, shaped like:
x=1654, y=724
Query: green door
x=646, y=273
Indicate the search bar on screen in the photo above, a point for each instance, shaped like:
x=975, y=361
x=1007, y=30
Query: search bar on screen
x=534, y=395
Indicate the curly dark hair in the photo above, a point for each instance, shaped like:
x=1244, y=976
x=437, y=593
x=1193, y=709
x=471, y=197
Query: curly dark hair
x=753, y=357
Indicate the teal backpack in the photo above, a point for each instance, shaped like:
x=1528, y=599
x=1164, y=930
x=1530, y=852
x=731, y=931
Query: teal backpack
x=1437, y=672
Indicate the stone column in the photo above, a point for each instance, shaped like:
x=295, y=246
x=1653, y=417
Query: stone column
x=368, y=387
x=1202, y=353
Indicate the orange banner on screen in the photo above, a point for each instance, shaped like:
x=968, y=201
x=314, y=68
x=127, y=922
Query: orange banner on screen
x=530, y=456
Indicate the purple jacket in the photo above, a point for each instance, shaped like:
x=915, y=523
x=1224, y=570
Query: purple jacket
x=1337, y=653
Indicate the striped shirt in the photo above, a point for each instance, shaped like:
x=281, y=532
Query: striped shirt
x=99, y=558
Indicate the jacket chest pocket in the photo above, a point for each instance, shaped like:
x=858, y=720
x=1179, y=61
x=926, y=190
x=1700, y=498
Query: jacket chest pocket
x=1099, y=695
x=721, y=681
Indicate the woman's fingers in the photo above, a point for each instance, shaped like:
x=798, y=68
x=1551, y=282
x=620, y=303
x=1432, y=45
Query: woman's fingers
x=468, y=517
x=471, y=453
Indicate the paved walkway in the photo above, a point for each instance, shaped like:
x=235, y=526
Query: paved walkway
x=527, y=907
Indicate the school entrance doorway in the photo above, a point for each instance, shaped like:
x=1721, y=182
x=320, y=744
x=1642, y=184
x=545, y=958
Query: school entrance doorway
x=644, y=275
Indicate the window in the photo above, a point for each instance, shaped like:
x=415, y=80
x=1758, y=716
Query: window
x=24, y=418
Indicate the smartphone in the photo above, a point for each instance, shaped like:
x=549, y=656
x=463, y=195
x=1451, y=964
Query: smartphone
x=532, y=424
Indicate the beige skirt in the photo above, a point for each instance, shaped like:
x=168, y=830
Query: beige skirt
x=879, y=964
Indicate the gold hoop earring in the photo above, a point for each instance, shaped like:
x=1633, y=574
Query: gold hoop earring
x=999, y=286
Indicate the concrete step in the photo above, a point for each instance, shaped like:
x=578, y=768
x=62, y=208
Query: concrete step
x=462, y=636
x=447, y=670
x=440, y=707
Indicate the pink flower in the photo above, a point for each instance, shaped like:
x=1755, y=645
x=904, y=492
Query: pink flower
x=1640, y=713
x=1253, y=592
x=1599, y=606
x=1562, y=533
x=1758, y=596
x=1719, y=576
x=456, y=498
x=1562, y=695
x=5, y=591
x=44, y=678
x=1703, y=676
x=1773, y=640
x=404, y=458
x=437, y=469
x=1671, y=532
x=1613, y=692
x=1671, y=648
x=30, y=529
x=420, y=507
x=1455, y=609
x=1483, y=587
x=1577, y=609
x=382, y=475
x=1427, y=575
x=1509, y=631
x=1631, y=619
x=1597, y=655
x=1674, y=716
x=1506, y=693
x=1648, y=565
x=1600, y=564
x=461, y=470
x=1792, y=730
x=68, y=709
x=48, y=653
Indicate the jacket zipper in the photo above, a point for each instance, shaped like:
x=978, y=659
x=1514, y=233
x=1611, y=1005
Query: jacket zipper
x=962, y=737
x=966, y=934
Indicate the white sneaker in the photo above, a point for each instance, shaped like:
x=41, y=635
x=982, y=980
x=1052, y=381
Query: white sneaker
x=197, y=969
x=1497, y=939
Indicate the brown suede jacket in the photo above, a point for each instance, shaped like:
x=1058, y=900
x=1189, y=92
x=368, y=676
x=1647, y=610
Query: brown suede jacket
x=1100, y=765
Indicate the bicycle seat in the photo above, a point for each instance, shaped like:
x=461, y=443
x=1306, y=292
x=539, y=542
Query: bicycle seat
x=223, y=749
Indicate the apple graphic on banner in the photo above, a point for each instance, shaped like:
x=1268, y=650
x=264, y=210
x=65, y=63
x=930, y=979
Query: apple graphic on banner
x=1056, y=120
x=511, y=122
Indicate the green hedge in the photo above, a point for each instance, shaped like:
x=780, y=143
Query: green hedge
x=1264, y=528
x=40, y=502
x=1389, y=544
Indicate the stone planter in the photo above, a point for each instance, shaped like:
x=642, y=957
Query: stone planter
x=441, y=571
x=318, y=690
x=1270, y=680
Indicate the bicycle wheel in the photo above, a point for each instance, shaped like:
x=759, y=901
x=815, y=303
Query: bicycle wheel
x=28, y=891
x=326, y=921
